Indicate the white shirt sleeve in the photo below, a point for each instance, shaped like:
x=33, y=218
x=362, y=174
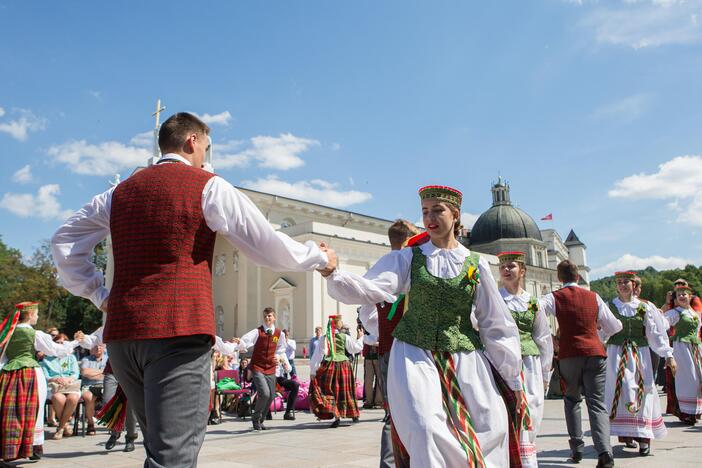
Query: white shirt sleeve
x=608, y=324
x=369, y=318
x=497, y=328
x=672, y=316
x=317, y=356
x=354, y=345
x=385, y=280
x=72, y=249
x=228, y=349
x=248, y=340
x=659, y=317
x=233, y=215
x=543, y=340
x=44, y=342
x=657, y=338
x=547, y=303
x=92, y=340
x=282, y=344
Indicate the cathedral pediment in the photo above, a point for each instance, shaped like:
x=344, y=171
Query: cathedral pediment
x=281, y=284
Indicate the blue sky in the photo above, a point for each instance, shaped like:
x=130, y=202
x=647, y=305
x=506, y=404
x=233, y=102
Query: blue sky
x=591, y=110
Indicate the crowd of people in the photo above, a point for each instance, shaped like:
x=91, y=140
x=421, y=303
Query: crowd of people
x=460, y=364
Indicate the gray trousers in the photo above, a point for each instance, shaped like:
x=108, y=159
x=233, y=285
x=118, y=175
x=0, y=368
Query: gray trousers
x=586, y=375
x=371, y=382
x=387, y=459
x=108, y=391
x=167, y=383
x=265, y=393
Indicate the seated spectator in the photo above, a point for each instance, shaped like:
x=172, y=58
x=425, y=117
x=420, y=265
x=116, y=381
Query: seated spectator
x=290, y=349
x=91, y=368
x=63, y=379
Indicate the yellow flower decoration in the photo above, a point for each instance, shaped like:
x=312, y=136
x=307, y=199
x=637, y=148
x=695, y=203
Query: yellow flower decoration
x=473, y=276
x=275, y=339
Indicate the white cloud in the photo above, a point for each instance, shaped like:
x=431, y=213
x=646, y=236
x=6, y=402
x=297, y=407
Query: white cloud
x=644, y=23
x=681, y=177
x=222, y=118
x=2, y=111
x=623, y=110
x=468, y=219
x=691, y=214
x=145, y=139
x=315, y=191
x=43, y=205
x=102, y=159
x=23, y=175
x=23, y=123
x=281, y=152
x=632, y=262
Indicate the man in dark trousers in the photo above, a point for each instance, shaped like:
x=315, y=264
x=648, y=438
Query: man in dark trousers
x=160, y=326
x=584, y=321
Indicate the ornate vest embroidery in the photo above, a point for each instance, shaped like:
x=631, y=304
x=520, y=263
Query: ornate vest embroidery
x=525, y=323
x=633, y=328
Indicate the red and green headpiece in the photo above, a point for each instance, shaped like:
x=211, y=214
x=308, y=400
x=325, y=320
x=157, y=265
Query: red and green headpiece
x=442, y=193
x=506, y=257
x=27, y=305
x=627, y=275
x=683, y=287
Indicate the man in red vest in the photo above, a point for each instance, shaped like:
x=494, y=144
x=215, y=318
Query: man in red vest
x=160, y=326
x=584, y=322
x=269, y=345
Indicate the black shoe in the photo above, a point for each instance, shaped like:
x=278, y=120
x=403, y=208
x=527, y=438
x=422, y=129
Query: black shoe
x=256, y=425
x=644, y=449
x=576, y=456
x=335, y=424
x=269, y=416
x=288, y=416
x=129, y=446
x=111, y=442
x=355, y=419
x=263, y=427
x=630, y=444
x=37, y=452
x=605, y=460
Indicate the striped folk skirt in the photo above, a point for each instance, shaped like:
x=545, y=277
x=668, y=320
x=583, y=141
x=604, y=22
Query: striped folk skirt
x=333, y=391
x=18, y=412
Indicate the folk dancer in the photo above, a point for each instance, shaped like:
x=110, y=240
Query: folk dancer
x=536, y=345
x=630, y=391
x=443, y=398
x=22, y=382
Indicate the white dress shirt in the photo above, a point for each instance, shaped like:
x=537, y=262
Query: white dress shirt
x=608, y=324
x=250, y=338
x=226, y=210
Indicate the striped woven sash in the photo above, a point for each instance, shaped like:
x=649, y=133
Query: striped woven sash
x=629, y=347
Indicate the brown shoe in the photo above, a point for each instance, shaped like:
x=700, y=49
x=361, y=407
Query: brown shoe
x=91, y=430
x=67, y=431
x=58, y=435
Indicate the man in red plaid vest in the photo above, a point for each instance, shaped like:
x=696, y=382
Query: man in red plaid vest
x=160, y=326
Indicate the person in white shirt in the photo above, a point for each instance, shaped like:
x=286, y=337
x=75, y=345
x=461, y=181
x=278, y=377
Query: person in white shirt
x=290, y=348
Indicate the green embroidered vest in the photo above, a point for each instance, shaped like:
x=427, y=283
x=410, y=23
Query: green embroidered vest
x=633, y=329
x=686, y=329
x=525, y=323
x=340, y=340
x=20, y=350
x=438, y=313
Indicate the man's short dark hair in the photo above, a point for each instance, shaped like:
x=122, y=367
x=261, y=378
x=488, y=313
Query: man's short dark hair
x=568, y=272
x=175, y=131
x=269, y=310
x=400, y=231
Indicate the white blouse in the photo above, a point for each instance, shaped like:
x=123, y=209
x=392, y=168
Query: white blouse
x=542, y=331
x=353, y=346
x=390, y=277
x=656, y=336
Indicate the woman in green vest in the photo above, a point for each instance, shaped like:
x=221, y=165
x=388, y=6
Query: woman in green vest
x=444, y=400
x=332, y=383
x=536, y=346
x=22, y=383
x=688, y=355
x=630, y=391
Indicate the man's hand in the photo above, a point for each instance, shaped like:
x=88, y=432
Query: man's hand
x=332, y=260
x=79, y=336
x=235, y=340
x=103, y=307
x=672, y=365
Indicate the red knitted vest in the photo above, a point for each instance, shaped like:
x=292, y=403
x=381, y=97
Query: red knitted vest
x=576, y=311
x=263, y=358
x=386, y=327
x=162, y=254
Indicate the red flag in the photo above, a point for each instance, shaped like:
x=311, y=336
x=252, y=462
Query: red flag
x=548, y=217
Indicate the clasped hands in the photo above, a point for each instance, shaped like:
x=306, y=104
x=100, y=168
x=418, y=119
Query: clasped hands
x=332, y=260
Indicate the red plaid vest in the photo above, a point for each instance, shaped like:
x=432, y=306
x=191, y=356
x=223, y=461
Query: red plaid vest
x=162, y=254
x=576, y=311
x=386, y=327
x=263, y=358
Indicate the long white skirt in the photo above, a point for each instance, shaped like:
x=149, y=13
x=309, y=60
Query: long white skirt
x=534, y=390
x=647, y=422
x=41, y=398
x=415, y=399
x=687, y=379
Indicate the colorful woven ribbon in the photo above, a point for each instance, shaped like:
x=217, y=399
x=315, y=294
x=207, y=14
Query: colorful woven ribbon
x=458, y=418
x=114, y=412
x=8, y=326
x=526, y=421
x=697, y=358
x=395, y=304
x=629, y=347
x=331, y=339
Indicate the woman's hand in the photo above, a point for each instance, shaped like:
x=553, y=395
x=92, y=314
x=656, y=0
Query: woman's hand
x=332, y=260
x=672, y=365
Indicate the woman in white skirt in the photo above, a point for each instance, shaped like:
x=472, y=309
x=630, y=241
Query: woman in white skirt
x=630, y=391
x=536, y=346
x=445, y=404
x=688, y=355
